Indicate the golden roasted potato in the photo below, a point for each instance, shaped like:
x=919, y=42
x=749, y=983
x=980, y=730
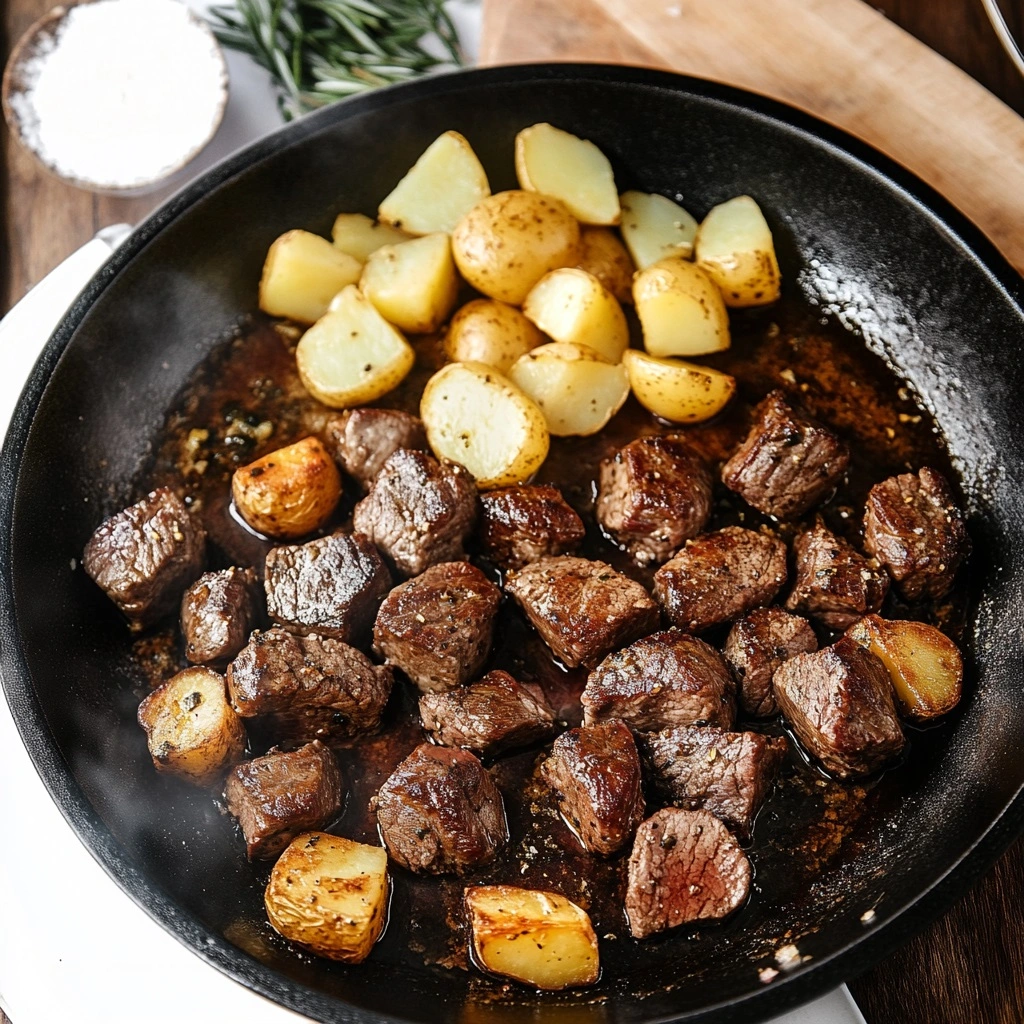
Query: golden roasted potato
x=491, y=332
x=361, y=236
x=539, y=938
x=577, y=391
x=302, y=273
x=476, y=416
x=329, y=895
x=352, y=355
x=510, y=240
x=440, y=188
x=680, y=309
x=557, y=163
x=191, y=729
x=603, y=255
x=654, y=227
x=289, y=492
x=734, y=247
x=925, y=666
x=675, y=390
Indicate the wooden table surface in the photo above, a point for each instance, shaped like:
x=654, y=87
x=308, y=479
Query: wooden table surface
x=968, y=967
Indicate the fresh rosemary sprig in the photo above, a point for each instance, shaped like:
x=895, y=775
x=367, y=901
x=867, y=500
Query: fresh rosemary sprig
x=321, y=50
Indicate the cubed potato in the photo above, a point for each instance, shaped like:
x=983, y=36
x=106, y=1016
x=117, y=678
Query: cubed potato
x=191, y=729
x=538, y=938
x=675, y=390
x=289, y=492
x=557, y=163
x=925, y=666
x=577, y=391
x=414, y=284
x=654, y=228
x=302, y=273
x=329, y=895
x=734, y=247
x=442, y=186
x=491, y=332
x=572, y=306
x=352, y=355
x=476, y=416
x=361, y=236
x=680, y=309
x=603, y=255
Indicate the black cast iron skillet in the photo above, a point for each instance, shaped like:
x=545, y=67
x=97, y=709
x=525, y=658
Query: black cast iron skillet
x=872, y=244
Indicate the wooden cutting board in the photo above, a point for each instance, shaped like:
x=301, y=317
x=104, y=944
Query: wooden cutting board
x=838, y=59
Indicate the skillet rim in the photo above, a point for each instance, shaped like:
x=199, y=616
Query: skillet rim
x=786, y=992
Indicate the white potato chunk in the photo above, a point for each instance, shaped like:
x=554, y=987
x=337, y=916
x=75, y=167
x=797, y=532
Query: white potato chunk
x=361, y=236
x=734, y=247
x=329, y=895
x=557, y=163
x=572, y=306
x=680, y=309
x=539, y=938
x=302, y=273
x=476, y=416
x=414, y=284
x=603, y=255
x=577, y=391
x=442, y=186
x=352, y=355
x=675, y=390
x=654, y=227
x=491, y=332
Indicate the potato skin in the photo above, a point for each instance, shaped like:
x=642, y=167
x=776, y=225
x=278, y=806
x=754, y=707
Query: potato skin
x=603, y=255
x=289, y=492
x=675, y=390
x=491, y=332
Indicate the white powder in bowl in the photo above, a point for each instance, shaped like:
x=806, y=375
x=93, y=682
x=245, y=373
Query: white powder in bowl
x=120, y=93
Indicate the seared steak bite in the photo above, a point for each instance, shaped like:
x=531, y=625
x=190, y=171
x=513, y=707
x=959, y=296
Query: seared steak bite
x=144, y=557
x=437, y=628
x=720, y=576
x=726, y=773
x=519, y=525
x=581, y=608
x=280, y=795
x=440, y=811
x=311, y=687
x=362, y=440
x=218, y=612
x=756, y=646
x=493, y=715
x=913, y=527
x=839, y=702
x=654, y=494
x=668, y=678
x=419, y=511
x=595, y=774
x=685, y=866
x=331, y=586
x=835, y=583
x=788, y=463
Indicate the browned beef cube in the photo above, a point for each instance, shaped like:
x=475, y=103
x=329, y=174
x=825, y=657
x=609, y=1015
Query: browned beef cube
x=362, y=440
x=307, y=687
x=835, y=584
x=582, y=609
x=788, y=463
x=756, y=646
x=654, y=494
x=685, y=866
x=726, y=773
x=665, y=679
x=491, y=716
x=144, y=557
x=595, y=774
x=519, y=525
x=720, y=576
x=280, y=795
x=218, y=612
x=419, y=512
x=839, y=702
x=438, y=627
x=440, y=811
x=913, y=527
x=331, y=586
